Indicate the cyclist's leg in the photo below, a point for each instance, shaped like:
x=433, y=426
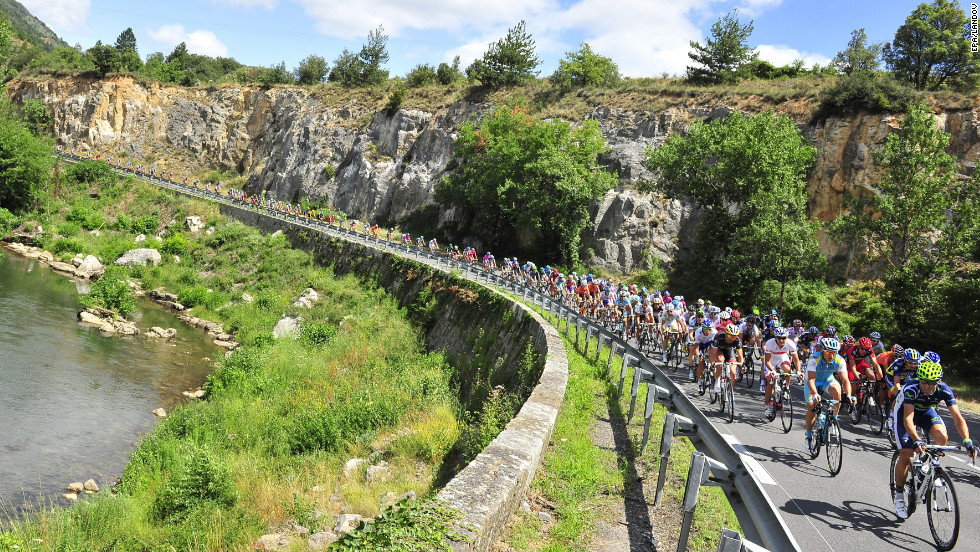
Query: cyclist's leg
x=938, y=429
x=906, y=446
x=810, y=400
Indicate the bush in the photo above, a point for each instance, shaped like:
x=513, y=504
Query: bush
x=123, y=223
x=204, y=479
x=89, y=172
x=68, y=229
x=422, y=75
x=65, y=245
x=175, y=245
x=318, y=334
x=864, y=91
x=145, y=225
x=112, y=292
x=114, y=247
x=94, y=221
x=395, y=101
x=7, y=221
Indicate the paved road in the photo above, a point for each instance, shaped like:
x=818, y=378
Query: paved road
x=852, y=511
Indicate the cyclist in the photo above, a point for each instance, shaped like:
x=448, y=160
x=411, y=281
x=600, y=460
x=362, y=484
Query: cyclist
x=704, y=335
x=915, y=408
x=805, y=341
x=876, y=343
x=905, y=366
x=725, y=347
x=781, y=352
x=861, y=361
x=820, y=371
x=693, y=325
x=796, y=330
x=674, y=326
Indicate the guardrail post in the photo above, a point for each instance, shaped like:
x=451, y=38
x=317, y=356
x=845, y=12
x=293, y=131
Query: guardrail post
x=659, y=395
x=700, y=474
x=612, y=352
x=731, y=541
x=599, y=338
x=627, y=358
x=578, y=329
x=675, y=425
x=588, y=335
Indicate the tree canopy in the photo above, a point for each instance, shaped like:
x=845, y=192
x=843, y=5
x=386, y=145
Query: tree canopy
x=585, y=68
x=508, y=62
x=859, y=55
x=748, y=174
x=723, y=53
x=932, y=48
x=25, y=165
x=521, y=176
x=312, y=70
x=364, y=67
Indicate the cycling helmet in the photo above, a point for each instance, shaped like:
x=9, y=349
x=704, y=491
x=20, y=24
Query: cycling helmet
x=667, y=293
x=731, y=330
x=726, y=315
x=875, y=335
x=930, y=371
x=912, y=355
x=931, y=356
x=830, y=344
x=700, y=302
x=736, y=314
x=897, y=350
x=848, y=340
x=831, y=331
x=657, y=299
x=865, y=342
x=797, y=323
x=813, y=330
x=780, y=333
x=706, y=324
x=714, y=310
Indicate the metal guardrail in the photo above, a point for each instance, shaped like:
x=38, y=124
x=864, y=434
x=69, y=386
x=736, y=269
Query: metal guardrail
x=754, y=509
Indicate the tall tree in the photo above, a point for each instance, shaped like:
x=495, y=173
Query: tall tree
x=723, y=54
x=126, y=41
x=105, y=58
x=509, y=61
x=312, y=70
x=748, y=174
x=25, y=165
x=859, y=55
x=585, y=68
x=129, y=58
x=179, y=56
x=521, y=176
x=932, y=48
x=373, y=54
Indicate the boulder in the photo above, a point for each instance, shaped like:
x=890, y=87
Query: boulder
x=381, y=472
x=247, y=298
x=157, y=331
x=141, y=257
x=76, y=487
x=273, y=541
x=58, y=266
x=92, y=486
x=194, y=223
x=160, y=413
x=321, y=540
x=122, y=327
x=347, y=523
x=89, y=267
x=353, y=466
x=70, y=496
x=140, y=239
x=76, y=260
x=230, y=345
x=287, y=327
x=176, y=259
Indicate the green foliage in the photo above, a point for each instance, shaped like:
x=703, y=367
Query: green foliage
x=864, y=91
x=585, y=68
x=318, y=333
x=931, y=49
x=518, y=174
x=363, y=68
x=37, y=116
x=105, y=58
x=89, y=172
x=69, y=229
x=395, y=100
x=859, y=55
x=450, y=73
x=312, y=70
x=11, y=542
x=111, y=291
x=114, y=247
x=7, y=221
x=201, y=480
x=482, y=427
x=276, y=74
x=158, y=68
x=329, y=171
x=61, y=246
x=126, y=41
x=199, y=295
x=175, y=244
x=509, y=61
x=406, y=526
x=723, y=54
x=146, y=224
x=25, y=166
x=129, y=58
x=421, y=75
x=758, y=163
x=655, y=278
x=304, y=511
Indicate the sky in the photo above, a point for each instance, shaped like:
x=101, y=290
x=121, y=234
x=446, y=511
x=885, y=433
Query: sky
x=646, y=38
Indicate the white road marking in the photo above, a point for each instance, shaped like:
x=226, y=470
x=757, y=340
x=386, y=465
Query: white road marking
x=751, y=463
x=967, y=464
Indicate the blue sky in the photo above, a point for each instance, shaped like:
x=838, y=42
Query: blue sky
x=645, y=37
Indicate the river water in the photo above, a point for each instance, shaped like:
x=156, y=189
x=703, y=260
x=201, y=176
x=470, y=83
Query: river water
x=73, y=402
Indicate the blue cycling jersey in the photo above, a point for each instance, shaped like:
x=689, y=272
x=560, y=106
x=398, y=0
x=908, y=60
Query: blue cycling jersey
x=912, y=394
x=825, y=370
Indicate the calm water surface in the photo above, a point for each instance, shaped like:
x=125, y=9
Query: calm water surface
x=73, y=402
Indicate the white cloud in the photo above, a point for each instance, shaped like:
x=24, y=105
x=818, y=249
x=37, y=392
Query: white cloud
x=198, y=42
x=779, y=55
x=61, y=15
x=269, y=4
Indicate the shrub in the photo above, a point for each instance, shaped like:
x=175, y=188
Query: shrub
x=65, y=245
x=243, y=364
x=114, y=247
x=421, y=75
x=123, y=223
x=195, y=296
x=175, y=245
x=89, y=172
x=395, y=101
x=145, y=225
x=204, y=479
x=317, y=333
x=79, y=212
x=864, y=91
x=112, y=291
x=7, y=221
x=314, y=429
x=94, y=221
x=68, y=229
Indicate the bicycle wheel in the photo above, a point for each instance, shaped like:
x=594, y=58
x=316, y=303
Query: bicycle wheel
x=676, y=360
x=834, y=446
x=944, y=511
x=875, y=415
x=710, y=386
x=723, y=396
x=856, y=410
x=730, y=391
x=786, y=411
x=908, y=491
x=817, y=441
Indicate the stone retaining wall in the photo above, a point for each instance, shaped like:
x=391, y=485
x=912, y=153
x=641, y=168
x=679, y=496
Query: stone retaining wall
x=485, y=335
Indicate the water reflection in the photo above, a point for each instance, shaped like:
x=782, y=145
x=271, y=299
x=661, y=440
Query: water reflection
x=74, y=402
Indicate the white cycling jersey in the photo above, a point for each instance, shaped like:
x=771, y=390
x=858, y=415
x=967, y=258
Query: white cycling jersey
x=704, y=335
x=780, y=353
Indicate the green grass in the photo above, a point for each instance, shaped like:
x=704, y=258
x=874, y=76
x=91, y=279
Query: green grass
x=281, y=417
x=583, y=482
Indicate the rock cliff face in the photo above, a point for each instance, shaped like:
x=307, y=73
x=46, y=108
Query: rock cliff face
x=291, y=143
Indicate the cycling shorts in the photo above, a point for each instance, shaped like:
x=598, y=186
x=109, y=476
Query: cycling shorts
x=821, y=387
x=924, y=420
x=703, y=347
x=861, y=367
x=674, y=327
x=777, y=367
x=729, y=354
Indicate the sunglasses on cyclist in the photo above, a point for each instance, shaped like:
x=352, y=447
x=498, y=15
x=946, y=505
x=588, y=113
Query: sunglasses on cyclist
x=781, y=338
x=929, y=382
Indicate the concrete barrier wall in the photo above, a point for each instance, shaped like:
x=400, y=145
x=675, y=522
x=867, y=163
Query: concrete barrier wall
x=486, y=337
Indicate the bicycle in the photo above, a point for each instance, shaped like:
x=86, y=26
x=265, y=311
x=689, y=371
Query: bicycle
x=727, y=395
x=782, y=402
x=928, y=483
x=828, y=435
x=748, y=370
x=867, y=404
x=672, y=350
